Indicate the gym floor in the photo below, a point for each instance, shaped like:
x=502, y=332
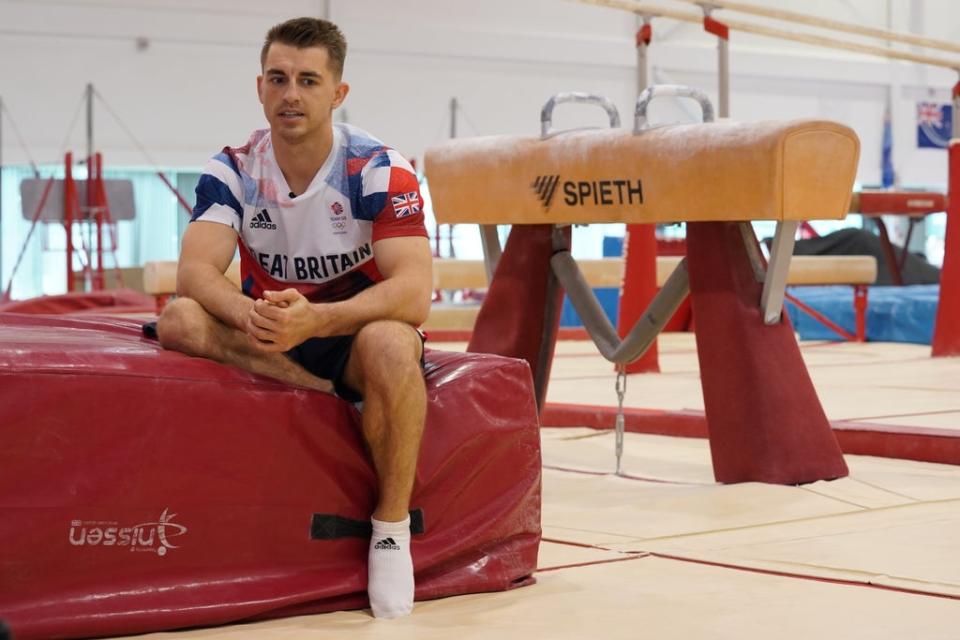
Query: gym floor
x=665, y=552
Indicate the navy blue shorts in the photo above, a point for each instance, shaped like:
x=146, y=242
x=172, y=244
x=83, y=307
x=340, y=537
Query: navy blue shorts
x=327, y=358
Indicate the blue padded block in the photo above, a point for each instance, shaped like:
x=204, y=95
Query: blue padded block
x=609, y=298
x=894, y=314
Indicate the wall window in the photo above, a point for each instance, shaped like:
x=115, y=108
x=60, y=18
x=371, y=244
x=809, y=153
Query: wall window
x=153, y=235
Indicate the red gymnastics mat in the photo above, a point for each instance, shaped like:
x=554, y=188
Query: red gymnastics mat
x=144, y=490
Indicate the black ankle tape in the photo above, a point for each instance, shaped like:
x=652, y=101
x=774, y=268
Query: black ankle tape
x=326, y=526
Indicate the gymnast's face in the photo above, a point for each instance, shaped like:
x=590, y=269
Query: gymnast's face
x=299, y=91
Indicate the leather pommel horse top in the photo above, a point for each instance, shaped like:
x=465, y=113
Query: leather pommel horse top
x=721, y=171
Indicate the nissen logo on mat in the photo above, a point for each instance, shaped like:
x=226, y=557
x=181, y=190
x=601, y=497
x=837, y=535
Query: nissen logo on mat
x=585, y=193
x=262, y=221
x=146, y=536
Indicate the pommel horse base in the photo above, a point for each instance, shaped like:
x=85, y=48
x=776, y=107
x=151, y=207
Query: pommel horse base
x=765, y=420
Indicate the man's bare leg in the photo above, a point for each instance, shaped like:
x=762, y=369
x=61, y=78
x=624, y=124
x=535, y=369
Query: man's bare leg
x=186, y=326
x=384, y=366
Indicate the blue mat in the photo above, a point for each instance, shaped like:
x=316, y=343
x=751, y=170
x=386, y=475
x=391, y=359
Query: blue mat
x=609, y=298
x=894, y=314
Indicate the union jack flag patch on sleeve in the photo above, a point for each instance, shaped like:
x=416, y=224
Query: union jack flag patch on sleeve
x=406, y=204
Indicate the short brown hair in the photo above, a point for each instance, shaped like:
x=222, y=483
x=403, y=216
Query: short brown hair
x=309, y=32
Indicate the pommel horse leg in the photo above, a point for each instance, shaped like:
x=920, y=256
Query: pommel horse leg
x=765, y=419
x=520, y=315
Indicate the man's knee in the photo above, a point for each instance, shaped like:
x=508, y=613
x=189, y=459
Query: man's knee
x=182, y=326
x=387, y=349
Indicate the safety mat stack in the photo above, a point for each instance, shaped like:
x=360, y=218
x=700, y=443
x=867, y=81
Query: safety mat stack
x=144, y=490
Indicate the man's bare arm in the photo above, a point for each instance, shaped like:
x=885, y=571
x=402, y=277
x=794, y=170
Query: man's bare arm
x=205, y=255
x=404, y=294
x=285, y=318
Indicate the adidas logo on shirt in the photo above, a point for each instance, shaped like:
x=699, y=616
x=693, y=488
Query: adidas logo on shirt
x=262, y=221
x=387, y=543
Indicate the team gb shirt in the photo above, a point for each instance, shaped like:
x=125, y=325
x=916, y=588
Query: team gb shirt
x=321, y=241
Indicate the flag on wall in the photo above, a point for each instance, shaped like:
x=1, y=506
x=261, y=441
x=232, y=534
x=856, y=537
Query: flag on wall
x=886, y=157
x=934, y=125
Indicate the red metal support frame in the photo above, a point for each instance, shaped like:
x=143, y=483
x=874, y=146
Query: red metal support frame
x=860, y=335
x=183, y=201
x=722, y=32
x=104, y=207
x=638, y=288
x=807, y=230
x=95, y=204
x=860, y=309
x=639, y=285
x=644, y=34
x=69, y=213
x=946, y=332
x=716, y=28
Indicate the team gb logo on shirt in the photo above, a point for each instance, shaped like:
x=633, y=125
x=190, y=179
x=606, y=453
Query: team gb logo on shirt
x=406, y=204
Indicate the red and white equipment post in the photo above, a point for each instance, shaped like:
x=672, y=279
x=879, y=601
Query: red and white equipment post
x=70, y=214
x=96, y=203
x=103, y=215
x=95, y=206
x=722, y=31
x=639, y=248
x=946, y=333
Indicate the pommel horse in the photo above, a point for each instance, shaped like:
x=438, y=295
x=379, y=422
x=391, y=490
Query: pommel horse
x=765, y=420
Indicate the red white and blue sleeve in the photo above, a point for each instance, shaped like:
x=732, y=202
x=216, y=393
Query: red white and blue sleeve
x=391, y=196
x=219, y=193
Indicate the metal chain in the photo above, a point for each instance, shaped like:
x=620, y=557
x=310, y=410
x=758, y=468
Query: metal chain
x=621, y=387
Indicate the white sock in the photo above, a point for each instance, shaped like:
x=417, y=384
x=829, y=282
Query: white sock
x=390, y=569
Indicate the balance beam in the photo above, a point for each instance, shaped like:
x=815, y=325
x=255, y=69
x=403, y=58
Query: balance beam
x=608, y=272
x=452, y=274
x=160, y=280
x=766, y=422
x=160, y=276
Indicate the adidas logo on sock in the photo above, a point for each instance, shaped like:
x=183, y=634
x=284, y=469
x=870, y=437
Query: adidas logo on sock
x=387, y=543
x=262, y=221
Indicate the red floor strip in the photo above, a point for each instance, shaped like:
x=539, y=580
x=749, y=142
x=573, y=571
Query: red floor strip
x=688, y=424
x=737, y=567
x=924, y=444
x=588, y=564
x=625, y=476
x=570, y=543
x=787, y=574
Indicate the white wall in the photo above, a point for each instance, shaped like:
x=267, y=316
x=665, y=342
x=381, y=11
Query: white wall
x=191, y=90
